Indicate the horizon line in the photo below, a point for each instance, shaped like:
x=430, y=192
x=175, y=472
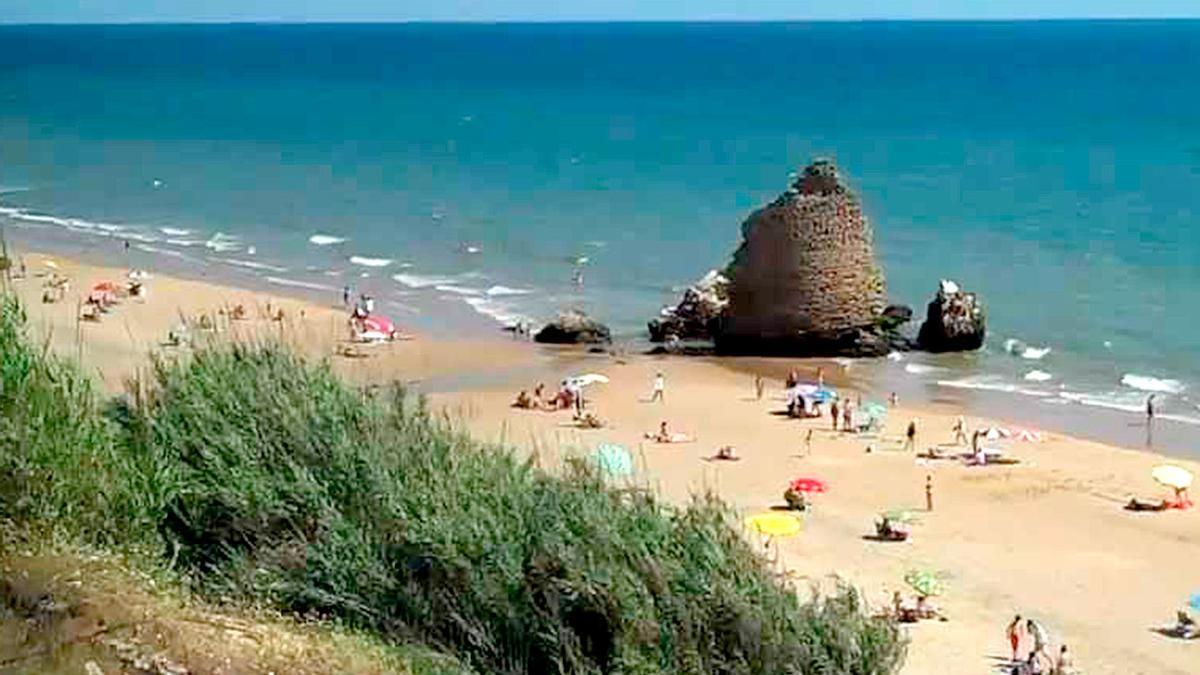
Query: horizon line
x=501, y=22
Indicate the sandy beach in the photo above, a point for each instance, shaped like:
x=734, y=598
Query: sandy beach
x=1046, y=538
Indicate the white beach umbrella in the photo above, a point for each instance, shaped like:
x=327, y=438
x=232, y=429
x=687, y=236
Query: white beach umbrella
x=589, y=379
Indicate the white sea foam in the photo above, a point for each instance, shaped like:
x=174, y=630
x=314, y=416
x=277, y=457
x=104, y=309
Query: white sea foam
x=370, y=262
x=1154, y=384
x=1111, y=401
x=325, y=240
x=495, y=291
x=458, y=290
x=175, y=231
x=161, y=251
x=1038, y=376
x=502, y=313
x=184, y=242
x=299, y=284
x=895, y=356
x=992, y=383
x=223, y=243
x=921, y=369
x=250, y=264
x=419, y=281
x=1024, y=350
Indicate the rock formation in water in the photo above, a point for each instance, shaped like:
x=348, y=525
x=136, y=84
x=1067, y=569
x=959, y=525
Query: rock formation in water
x=954, y=321
x=574, y=327
x=804, y=280
x=698, y=314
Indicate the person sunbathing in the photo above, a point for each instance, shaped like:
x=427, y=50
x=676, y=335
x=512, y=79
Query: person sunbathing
x=523, y=401
x=590, y=421
x=885, y=530
x=665, y=436
x=726, y=452
x=1136, y=504
x=1184, y=628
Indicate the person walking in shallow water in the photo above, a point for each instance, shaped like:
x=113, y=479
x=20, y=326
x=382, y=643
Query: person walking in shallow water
x=1150, y=409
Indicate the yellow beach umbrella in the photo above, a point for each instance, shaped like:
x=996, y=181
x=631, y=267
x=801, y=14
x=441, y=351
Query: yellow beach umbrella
x=1172, y=476
x=774, y=524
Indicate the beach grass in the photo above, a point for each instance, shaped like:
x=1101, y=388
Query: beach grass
x=254, y=476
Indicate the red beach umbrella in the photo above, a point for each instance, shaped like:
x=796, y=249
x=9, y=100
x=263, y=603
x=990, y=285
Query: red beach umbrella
x=377, y=323
x=808, y=484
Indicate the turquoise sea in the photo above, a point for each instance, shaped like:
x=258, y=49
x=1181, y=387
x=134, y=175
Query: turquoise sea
x=461, y=172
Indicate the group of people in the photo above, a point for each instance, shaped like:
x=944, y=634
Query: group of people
x=568, y=397
x=1035, y=659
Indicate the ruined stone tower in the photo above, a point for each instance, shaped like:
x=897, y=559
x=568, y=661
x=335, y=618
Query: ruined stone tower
x=805, y=275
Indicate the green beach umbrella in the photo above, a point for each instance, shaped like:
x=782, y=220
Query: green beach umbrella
x=900, y=516
x=873, y=409
x=613, y=459
x=924, y=582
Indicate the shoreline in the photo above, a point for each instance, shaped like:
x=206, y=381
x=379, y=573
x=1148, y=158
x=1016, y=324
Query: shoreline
x=456, y=321
x=1007, y=535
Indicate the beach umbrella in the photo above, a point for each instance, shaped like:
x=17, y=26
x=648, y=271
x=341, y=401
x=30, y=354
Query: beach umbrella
x=1194, y=602
x=613, y=459
x=873, y=409
x=808, y=484
x=994, y=433
x=775, y=524
x=924, y=582
x=823, y=395
x=377, y=323
x=589, y=379
x=1172, y=476
x=900, y=516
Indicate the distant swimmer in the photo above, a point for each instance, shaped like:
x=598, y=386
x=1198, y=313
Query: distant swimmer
x=157, y=183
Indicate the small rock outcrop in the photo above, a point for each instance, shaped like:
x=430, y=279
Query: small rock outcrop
x=805, y=281
x=573, y=327
x=698, y=314
x=954, y=322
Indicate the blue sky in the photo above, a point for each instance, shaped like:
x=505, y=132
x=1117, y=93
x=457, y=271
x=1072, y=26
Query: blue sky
x=80, y=11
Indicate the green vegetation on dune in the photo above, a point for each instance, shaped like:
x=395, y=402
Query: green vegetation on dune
x=264, y=478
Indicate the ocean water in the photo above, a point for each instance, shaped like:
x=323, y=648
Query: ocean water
x=467, y=170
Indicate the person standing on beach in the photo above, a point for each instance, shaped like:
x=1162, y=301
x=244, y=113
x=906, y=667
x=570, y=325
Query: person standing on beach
x=758, y=387
x=929, y=492
x=345, y=296
x=808, y=442
x=894, y=400
x=910, y=436
x=1014, y=637
x=847, y=417
x=660, y=388
x=1150, y=409
x=1038, y=632
x=960, y=431
x=1066, y=664
x=833, y=414
x=820, y=377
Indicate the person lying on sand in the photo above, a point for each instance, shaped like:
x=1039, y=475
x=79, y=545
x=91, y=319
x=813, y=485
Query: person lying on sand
x=665, y=436
x=1185, y=627
x=726, y=452
x=1136, y=504
x=886, y=530
x=589, y=421
x=523, y=401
